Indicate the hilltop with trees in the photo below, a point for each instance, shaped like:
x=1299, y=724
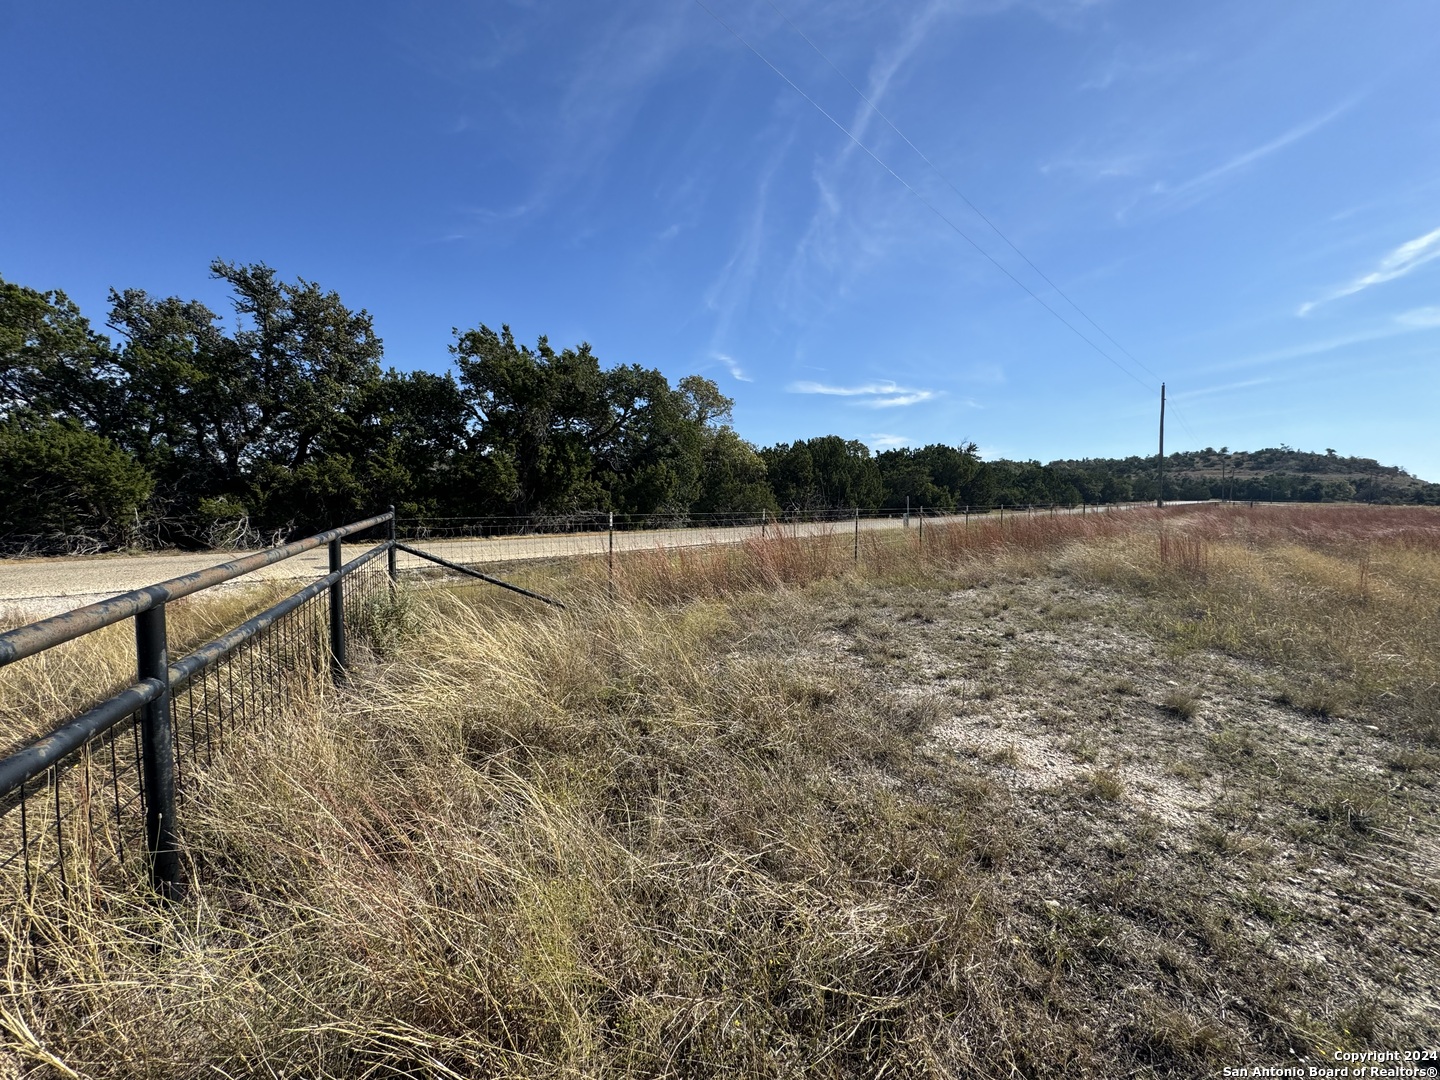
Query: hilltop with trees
x=1280, y=474
x=181, y=431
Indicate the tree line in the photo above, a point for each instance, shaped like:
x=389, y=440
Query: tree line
x=174, y=429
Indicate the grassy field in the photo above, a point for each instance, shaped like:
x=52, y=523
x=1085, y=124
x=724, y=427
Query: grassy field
x=1119, y=795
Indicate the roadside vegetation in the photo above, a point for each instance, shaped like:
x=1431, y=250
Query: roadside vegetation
x=1120, y=795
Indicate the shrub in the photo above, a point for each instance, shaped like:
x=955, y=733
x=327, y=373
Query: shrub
x=60, y=484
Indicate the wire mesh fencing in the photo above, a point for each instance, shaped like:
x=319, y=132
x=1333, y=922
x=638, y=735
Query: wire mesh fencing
x=97, y=800
x=77, y=821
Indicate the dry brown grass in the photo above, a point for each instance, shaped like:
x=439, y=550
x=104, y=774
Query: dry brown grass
x=1341, y=602
x=40, y=691
x=755, y=812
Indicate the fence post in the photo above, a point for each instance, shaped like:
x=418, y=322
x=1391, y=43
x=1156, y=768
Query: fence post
x=762, y=524
x=337, y=615
x=857, y=536
x=612, y=551
x=922, y=528
x=1002, y=513
x=158, y=753
x=390, y=555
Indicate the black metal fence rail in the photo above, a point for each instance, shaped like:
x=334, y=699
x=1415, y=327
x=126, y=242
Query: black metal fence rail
x=97, y=799
x=471, y=572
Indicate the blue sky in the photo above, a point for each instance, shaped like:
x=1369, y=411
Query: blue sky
x=1245, y=196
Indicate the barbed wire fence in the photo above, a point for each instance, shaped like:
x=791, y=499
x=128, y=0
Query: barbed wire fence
x=517, y=541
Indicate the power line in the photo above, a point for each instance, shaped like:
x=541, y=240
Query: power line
x=1180, y=415
x=958, y=192
x=928, y=204
x=950, y=184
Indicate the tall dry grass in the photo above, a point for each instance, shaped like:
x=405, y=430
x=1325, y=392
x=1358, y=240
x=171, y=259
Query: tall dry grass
x=1342, y=598
x=1340, y=603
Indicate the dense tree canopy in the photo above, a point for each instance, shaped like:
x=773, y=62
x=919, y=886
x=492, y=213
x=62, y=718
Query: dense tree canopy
x=554, y=432
x=828, y=473
x=61, y=485
x=193, y=429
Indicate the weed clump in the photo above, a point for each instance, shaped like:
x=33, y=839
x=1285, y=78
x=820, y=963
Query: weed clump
x=1104, y=785
x=1181, y=703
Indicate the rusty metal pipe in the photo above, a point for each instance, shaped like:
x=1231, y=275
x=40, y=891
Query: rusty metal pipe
x=37, y=636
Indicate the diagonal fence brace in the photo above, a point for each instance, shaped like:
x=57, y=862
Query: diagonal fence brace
x=476, y=574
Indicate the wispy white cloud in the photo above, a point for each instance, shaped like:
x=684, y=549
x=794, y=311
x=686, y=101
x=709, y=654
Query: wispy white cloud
x=987, y=374
x=577, y=132
x=805, y=386
x=913, y=397
x=875, y=395
x=856, y=221
x=1225, y=388
x=736, y=371
x=487, y=215
x=887, y=442
x=730, y=291
x=865, y=389
x=888, y=64
x=606, y=90
x=1101, y=167
x=1408, y=322
x=1197, y=184
x=1420, y=318
x=1398, y=263
x=1300, y=351
x=1122, y=68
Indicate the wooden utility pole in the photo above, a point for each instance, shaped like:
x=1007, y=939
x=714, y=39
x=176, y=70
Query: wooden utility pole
x=1160, y=463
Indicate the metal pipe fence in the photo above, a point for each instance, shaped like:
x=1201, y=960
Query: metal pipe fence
x=100, y=799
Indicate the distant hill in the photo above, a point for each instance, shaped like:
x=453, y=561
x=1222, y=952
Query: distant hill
x=1276, y=474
